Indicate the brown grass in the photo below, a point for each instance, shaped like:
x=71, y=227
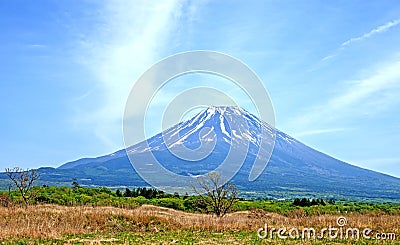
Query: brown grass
x=51, y=221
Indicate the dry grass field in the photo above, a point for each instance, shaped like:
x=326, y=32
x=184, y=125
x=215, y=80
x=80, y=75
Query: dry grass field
x=51, y=224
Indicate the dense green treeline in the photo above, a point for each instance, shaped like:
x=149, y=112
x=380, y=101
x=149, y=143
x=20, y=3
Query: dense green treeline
x=131, y=198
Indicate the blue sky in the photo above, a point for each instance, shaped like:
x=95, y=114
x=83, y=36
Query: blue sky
x=332, y=69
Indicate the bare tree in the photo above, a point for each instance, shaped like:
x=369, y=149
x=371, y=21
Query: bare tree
x=217, y=193
x=24, y=181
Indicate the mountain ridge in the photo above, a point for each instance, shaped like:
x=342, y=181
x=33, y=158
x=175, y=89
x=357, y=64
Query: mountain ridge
x=294, y=169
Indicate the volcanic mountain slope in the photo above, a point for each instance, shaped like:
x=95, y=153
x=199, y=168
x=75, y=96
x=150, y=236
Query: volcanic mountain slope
x=294, y=169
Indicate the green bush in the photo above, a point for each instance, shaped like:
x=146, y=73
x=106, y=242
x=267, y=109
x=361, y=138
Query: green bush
x=104, y=197
x=175, y=203
x=195, y=204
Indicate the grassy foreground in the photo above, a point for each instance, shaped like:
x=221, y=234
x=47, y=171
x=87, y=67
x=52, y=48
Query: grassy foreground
x=147, y=224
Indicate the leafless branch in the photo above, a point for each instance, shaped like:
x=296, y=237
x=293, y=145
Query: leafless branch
x=24, y=181
x=214, y=192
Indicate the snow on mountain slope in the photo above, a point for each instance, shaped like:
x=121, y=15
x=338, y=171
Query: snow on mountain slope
x=215, y=123
x=207, y=138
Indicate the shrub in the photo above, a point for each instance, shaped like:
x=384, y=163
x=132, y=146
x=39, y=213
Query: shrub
x=5, y=200
x=195, y=204
x=174, y=203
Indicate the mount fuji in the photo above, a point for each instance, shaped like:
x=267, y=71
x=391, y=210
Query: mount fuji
x=293, y=168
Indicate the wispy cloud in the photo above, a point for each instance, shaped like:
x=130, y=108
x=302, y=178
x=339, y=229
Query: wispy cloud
x=36, y=45
x=357, y=98
x=126, y=41
x=380, y=29
x=328, y=57
x=380, y=161
x=375, y=31
x=318, y=131
x=383, y=79
x=388, y=165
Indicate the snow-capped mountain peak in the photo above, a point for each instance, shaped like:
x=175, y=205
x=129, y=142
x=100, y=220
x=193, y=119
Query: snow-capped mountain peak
x=200, y=144
x=225, y=124
x=219, y=134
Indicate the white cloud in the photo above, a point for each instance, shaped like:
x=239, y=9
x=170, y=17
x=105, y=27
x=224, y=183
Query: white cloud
x=328, y=57
x=388, y=165
x=318, y=131
x=356, y=98
x=375, y=31
x=130, y=37
x=36, y=45
x=383, y=79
